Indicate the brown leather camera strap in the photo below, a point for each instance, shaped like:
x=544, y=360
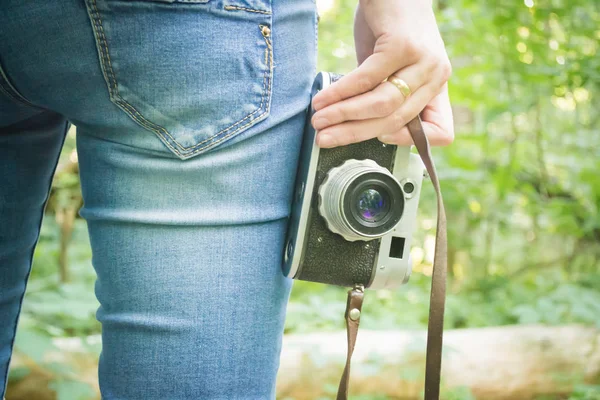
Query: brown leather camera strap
x=435, y=329
x=353, y=310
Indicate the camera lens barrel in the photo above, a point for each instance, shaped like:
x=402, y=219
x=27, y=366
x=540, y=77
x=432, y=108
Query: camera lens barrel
x=361, y=200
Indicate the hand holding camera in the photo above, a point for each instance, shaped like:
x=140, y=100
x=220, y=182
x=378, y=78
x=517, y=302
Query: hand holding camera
x=399, y=39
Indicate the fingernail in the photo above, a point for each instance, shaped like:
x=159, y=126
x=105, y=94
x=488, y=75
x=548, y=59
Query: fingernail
x=324, y=140
x=320, y=123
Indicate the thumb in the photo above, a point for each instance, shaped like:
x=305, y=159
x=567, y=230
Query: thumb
x=364, y=39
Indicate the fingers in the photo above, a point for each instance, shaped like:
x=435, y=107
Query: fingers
x=395, y=53
x=366, y=77
x=391, y=128
x=439, y=113
x=437, y=121
x=377, y=103
x=356, y=131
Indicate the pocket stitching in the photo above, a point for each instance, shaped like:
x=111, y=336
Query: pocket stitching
x=159, y=130
x=11, y=97
x=230, y=8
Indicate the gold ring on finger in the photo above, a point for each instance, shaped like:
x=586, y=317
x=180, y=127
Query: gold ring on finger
x=401, y=85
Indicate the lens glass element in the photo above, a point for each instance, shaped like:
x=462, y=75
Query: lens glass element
x=371, y=205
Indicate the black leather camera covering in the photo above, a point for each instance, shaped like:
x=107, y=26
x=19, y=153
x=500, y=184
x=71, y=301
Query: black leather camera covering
x=332, y=259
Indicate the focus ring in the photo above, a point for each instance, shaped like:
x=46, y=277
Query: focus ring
x=340, y=211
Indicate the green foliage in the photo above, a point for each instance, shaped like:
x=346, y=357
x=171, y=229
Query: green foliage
x=460, y=393
x=547, y=298
x=586, y=392
x=53, y=309
x=62, y=308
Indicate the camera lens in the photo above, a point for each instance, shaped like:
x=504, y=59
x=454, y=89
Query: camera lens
x=372, y=205
x=361, y=200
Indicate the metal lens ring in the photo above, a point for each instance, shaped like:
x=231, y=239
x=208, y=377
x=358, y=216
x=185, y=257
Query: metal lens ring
x=384, y=204
x=361, y=200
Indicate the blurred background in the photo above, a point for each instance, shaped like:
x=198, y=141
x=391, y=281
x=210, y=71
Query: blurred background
x=522, y=191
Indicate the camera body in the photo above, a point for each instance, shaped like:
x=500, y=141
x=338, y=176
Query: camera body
x=353, y=212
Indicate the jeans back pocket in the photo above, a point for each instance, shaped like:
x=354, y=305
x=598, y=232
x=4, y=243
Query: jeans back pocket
x=194, y=72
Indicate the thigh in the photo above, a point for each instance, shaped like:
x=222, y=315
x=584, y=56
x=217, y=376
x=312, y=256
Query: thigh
x=188, y=261
x=188, y=253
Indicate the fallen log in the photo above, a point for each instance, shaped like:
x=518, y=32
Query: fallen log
x=500, y=363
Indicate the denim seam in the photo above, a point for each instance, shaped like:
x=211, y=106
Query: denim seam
x=231, y=8
x=11, y=92
x=49, y=186
x=9, y=95
x=159, y=130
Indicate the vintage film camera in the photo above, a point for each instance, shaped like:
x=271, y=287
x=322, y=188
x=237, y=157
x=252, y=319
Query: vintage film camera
x=354, y=211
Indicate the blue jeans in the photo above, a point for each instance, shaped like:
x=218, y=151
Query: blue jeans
x=189, y=117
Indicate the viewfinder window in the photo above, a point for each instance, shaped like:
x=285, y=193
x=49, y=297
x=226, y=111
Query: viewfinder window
x=397, y=247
